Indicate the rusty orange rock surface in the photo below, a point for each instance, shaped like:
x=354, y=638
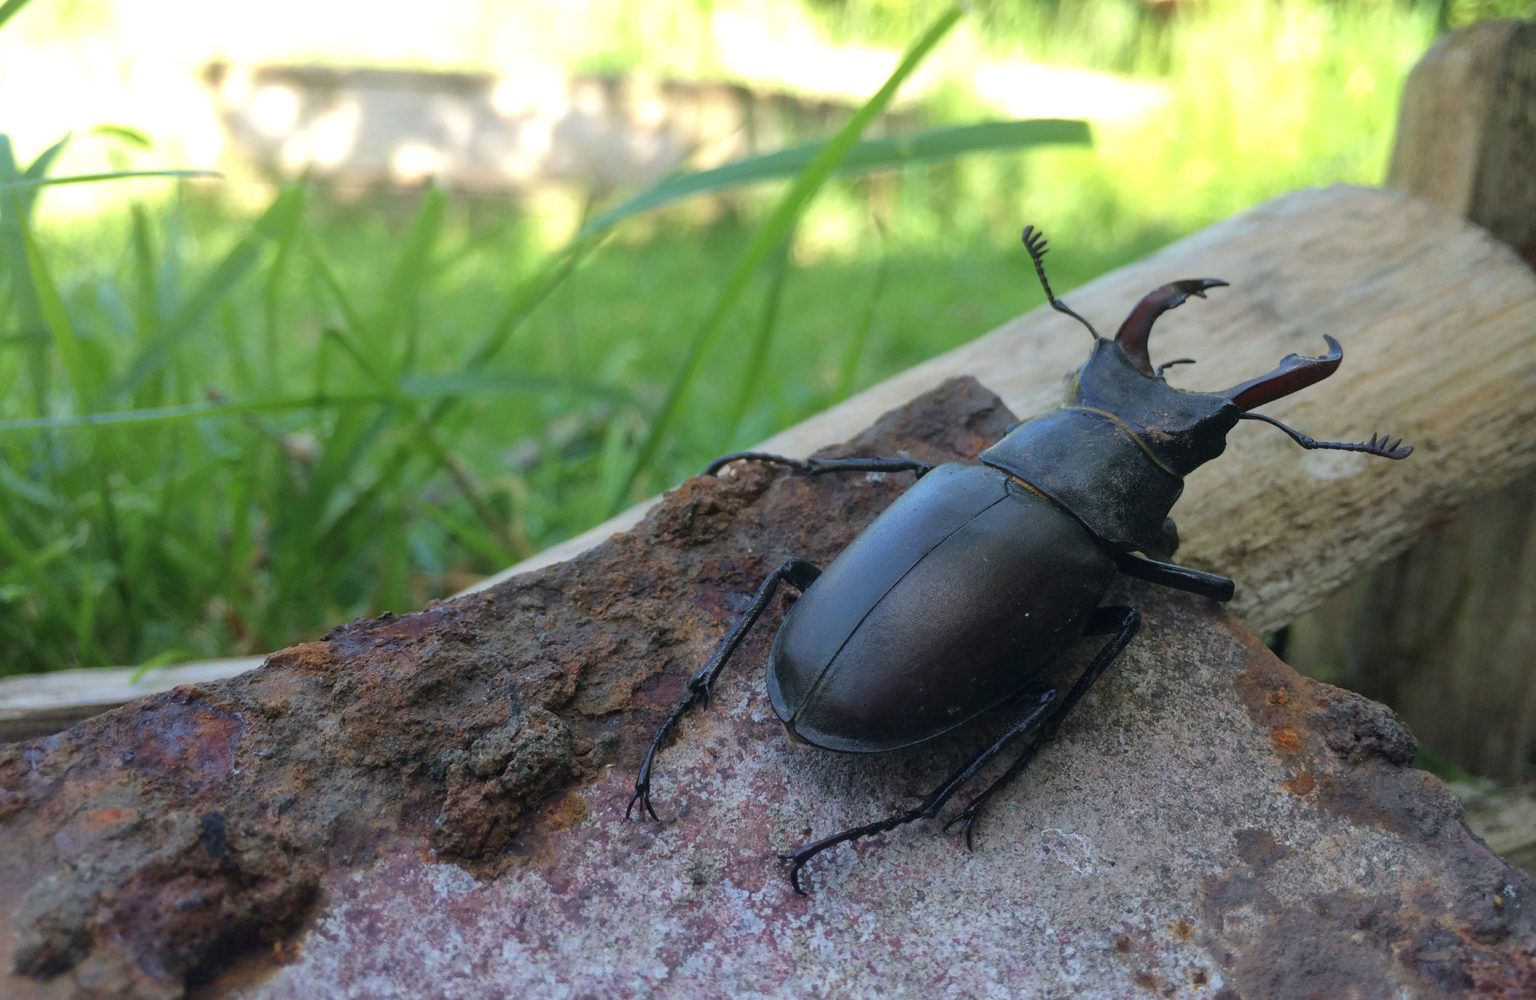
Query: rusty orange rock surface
x=432, y=804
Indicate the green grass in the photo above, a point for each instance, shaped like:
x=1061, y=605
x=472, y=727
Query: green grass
x=221, y=433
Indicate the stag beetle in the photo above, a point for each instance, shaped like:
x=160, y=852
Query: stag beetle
x=978, y=577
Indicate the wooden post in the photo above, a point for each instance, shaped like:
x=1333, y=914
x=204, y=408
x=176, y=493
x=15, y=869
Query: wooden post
x=1466, y=131
x=1446, y=632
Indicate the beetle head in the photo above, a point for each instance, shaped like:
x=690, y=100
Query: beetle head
x=1183, y=429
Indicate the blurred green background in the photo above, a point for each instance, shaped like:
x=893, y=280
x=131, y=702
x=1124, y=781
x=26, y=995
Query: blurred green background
x=235, y=412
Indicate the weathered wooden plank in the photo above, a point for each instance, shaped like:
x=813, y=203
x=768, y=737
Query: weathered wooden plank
x=41, y=704
x=1446, y=633
x=1438, y=323
x=1505, y=819
x=1466, y=129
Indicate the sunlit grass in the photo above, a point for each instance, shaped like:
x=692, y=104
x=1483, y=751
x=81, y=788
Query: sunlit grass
x=343, y=486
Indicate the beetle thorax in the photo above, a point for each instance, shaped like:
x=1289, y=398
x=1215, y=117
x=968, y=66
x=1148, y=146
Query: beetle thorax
x=1116, y=454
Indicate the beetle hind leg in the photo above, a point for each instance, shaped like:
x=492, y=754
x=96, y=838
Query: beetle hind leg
x=1120, y=623
x=936, y=799
x=799, y=574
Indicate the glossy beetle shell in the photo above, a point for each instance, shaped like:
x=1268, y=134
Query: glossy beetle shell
x=859, y=664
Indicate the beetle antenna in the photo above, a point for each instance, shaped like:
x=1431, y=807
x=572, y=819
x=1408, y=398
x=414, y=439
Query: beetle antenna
x=1382, y=445
x=1034, y=242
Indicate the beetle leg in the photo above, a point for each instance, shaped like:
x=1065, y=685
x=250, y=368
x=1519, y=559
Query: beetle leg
x=1120, y=623
x=935, y=800
x=800, y=575
x=1178, y=577
x=820, y=466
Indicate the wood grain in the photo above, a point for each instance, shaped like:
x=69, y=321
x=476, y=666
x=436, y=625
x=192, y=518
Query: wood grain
x=1466, y=129
x=1438, y=323
x=1446, y=632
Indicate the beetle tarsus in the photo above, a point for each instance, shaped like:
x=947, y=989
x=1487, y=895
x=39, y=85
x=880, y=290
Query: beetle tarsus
x=800, y=574
x=821, y=466
x=642, y=793
x=713, y=468
x=972, y=809
x=936, y=799
x=801, y=855
x=796, y=863
x=643, y=796
x=968, y=817
x=1120, y=624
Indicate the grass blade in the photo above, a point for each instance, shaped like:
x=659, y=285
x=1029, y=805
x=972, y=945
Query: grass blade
x=214, y=288
x=418, y=388
x=399, y=305
x=864, y=155
x=860, y=338
x=272, y=289
x=146, y=284
x=15, y=210
x=125, y=134
x=757, y=356
x=772, y=233
x=465, y=384
x=16, y=190
x=11, y=8
x=32, y=183
x=530, y=293
x=82, y=374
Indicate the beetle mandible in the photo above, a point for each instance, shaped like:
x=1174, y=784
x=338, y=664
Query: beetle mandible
x=978, y=577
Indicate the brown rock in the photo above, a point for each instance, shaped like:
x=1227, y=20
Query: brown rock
x=432, y=804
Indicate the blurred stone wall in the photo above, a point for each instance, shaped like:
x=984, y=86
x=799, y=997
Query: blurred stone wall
x=489, y=132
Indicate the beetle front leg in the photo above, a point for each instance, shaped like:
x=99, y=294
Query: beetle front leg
x=1120, y=623
x=800, y=575
x=935, y=800
x=821, y=466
